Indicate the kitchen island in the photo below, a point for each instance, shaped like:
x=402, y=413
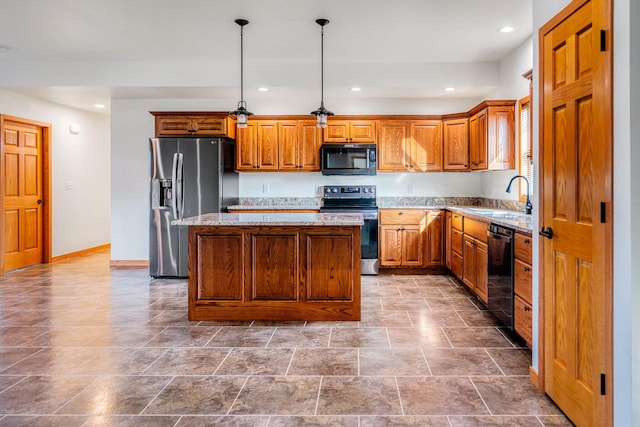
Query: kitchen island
x=276, y=266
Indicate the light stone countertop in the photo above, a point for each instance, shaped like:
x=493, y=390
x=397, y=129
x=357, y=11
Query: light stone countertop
x=274, y=207
x=274, y=219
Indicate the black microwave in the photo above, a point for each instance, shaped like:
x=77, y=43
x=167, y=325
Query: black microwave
x=348, y=159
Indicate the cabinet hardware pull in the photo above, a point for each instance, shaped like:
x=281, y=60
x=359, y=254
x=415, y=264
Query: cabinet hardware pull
x=527, y=269
x=527, y=241
x=526, y=308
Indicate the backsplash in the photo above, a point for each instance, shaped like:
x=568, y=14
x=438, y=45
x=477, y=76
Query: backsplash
x=391, y=202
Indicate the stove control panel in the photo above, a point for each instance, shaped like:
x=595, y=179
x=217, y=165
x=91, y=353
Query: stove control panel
x=349, y=192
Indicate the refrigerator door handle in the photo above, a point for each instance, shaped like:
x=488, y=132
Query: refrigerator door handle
x=174, y=181
x=179, y=189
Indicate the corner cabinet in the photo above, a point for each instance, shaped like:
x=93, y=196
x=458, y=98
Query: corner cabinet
x=355, y=131
x=206, y=124
x=455, y=144
x=492, y=136
x=409, y=145
x=411, y=238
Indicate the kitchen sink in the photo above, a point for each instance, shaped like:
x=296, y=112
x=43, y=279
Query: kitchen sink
x=497, y=213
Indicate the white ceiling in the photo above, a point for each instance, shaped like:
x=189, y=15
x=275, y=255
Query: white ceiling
x=79, y=52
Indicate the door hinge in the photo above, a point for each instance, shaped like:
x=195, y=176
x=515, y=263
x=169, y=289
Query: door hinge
x=603, y=212
x=603, y=41
x=603, y=385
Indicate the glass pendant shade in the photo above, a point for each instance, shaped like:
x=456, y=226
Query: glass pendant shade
x=241, y=113
x=322, y=113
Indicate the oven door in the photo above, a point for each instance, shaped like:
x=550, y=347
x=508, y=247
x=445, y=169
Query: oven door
x=368, y=237
x=348, y=159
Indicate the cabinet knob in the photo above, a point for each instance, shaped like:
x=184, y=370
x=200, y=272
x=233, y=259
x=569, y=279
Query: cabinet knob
x=400, y=213
x=527, y=269
x=527, y=308
x=527, y=241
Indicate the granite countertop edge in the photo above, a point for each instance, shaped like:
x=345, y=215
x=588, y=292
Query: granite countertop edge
x=273, y=219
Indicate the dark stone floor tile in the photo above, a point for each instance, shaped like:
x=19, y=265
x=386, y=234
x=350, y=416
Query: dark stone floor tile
x=440, y=396
x=449, y=303
x=11, y=355
x=131, y=421
x=413, y=303
x=376, y=291
x=324, y=361
x=489, y=421
x=41, y=395
x=119, y=361
x=421, y=292
x=7, y=381
x=478, y=318
x=406, y=421
x=514, y=396
x=44, y=420
x=460, y=361
x=359, y=337
x=359, y=395
x=12, y=336
x=188, y=361
x=227, y=421
x=512, y=361
x=555, y=420
x=53, y=361
x=300, y=337
x=314, y=421
x=435, y=319
x=183, y=336
x=116, y=395
x=384, y=318
x=277, y=395
x=256, y=361
x=197, y=395
x=476, y=337
x=234, y=336
x=417, y=337
x=437, y=280
x=393, y=362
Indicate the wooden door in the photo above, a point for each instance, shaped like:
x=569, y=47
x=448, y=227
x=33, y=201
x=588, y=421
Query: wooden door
x=390, y=245
x=247, y=150
x=309, y=142
x=413, y=245
x=576, y=145
x=456, y=145
x=267, y=137
x=22, y=194
x=393, y=146
x=288, y=145
x=426, y=145
x=435, y=238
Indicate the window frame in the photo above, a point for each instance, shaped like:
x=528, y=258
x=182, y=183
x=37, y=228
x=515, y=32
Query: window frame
x=525, y=103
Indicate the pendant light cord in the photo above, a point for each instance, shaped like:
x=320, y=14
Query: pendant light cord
x=322, y=66
x=242, y=65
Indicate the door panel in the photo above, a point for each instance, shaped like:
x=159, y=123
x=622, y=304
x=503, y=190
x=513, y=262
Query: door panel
x=21, y=192
x=576, y=178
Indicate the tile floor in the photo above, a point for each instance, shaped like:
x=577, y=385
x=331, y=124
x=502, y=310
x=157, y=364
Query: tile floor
x=85, y=345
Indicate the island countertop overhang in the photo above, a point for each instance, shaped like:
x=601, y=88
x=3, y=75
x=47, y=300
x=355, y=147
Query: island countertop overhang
x=273, y=219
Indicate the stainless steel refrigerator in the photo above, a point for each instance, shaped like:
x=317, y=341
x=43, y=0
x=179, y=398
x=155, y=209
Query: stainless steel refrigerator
x=189, y=176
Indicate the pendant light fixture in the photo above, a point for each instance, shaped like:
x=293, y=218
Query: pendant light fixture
x=241, y=112
x=322, y=113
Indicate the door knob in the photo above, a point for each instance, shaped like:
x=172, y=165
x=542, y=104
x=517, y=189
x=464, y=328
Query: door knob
x=546, y=232
x=39, y=201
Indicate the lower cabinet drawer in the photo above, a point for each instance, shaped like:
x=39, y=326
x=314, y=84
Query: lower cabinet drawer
x=456, y=240
x=522, y=280
x=456, y=264
x=522, y=319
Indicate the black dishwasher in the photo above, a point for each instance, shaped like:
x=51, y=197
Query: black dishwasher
x=500, y=273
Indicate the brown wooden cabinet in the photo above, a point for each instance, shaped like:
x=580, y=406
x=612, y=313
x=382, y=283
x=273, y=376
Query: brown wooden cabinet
x=258, y=146
x=492, y=136
x=522, y=287
x=474, y=271
x=213, y=124
x=299, y=144
x=409, y=145
x=274, y=273
x=435, y=238
x=350, y=131
x=457, y=244
x=455, y=144
x=402, y=237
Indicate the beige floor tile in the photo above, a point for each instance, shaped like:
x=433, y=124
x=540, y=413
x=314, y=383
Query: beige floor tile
x=188, y=361
x=359, y=395
x=324, y=361
x=41, y=394
x=277, y=395
x=440, y=396
x=256, y=361
x=393, y=362
x=359, y=337
x=514, y=396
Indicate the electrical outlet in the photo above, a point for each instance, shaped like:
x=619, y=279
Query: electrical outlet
x=265, y=188
x=410, y=188
x=68, y=185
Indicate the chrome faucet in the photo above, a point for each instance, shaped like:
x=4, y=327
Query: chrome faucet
x=528, y=207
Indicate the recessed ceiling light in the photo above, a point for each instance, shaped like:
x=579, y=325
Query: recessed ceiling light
x=263, y=89
x=355, y=89
x=4, y=49
x=449, y=89
x=99, y=106
x=506, y=29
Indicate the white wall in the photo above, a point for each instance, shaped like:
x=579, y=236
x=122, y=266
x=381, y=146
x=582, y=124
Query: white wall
x=80, y=216
x=132, y=126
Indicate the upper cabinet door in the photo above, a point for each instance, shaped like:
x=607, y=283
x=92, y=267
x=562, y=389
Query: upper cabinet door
x=501, y=137
x=478, y=140
x=456, y=145
x=426, y=145
x=267, y=145
x=288, y=145
x=247, y=149
x=336, y=131
x=362, y=131
x=394, y=146
x=309, y=142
